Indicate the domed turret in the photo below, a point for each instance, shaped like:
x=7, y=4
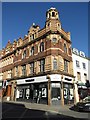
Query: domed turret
x=52, y=19
x=52, y=13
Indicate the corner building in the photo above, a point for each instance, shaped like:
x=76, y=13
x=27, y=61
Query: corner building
x=39, y=67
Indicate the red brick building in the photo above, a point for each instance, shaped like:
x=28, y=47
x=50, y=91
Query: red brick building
x=39, y=67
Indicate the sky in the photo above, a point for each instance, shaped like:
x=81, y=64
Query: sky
x=17, y=17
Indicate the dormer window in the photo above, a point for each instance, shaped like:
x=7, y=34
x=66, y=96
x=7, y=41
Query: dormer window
x=32, y=36
x=53, y=14
x=24, y=54
x=42, y=46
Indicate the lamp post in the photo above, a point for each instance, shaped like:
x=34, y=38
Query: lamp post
x=49, y=90
x=15, y=91
x=62, y=95
x=75, y=88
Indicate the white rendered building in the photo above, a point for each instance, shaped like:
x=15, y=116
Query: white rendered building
x=80, y=68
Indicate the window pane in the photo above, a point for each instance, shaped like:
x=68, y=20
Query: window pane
x=65, y=48
x=77, y=63
x=42, y=65
x=53, y=14
x=41, y=47
x=54, y=39
x=84, y=65
x=55, y=64
x=65, y=65
x=16, y=70
x=31, y=68
x=24, y=54
x=32, y=50
x=24, y=70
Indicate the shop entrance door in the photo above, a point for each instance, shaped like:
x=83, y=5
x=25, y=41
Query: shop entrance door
x=55, y=96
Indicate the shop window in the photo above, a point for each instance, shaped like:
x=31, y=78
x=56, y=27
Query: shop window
x=27, y=93
x=21, y=93
x=66, y=65
x=55, y=64
x=42, y=46
x=44, y=92
x=42, y=65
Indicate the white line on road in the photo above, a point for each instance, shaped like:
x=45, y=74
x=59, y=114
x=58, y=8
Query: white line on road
x=22, y=114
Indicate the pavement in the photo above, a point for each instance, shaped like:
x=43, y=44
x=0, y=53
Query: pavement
x=64, y=110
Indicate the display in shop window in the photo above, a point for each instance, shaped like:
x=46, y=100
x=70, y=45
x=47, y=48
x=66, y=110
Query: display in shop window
x=44, y=92
x=27, y=93
x=21, y=93
x=35, y=93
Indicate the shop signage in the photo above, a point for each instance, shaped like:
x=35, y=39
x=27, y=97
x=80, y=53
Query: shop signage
x=68, y=79
x=30, y=80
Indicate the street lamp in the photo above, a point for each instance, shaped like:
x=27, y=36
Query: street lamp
x=49, y=90
x=75, y=90
x=62, y=95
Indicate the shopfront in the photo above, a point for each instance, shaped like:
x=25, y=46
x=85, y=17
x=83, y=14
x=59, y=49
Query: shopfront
x=68, y=87
x=36, y=90
x=36, y=93
x=33, y=90
x=68, y=93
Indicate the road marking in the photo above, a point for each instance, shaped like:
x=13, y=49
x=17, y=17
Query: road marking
x=22, y=114
x=6, y=110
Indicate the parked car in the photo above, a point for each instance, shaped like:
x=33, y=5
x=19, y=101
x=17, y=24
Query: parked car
x=86, y=99
x=84, y=105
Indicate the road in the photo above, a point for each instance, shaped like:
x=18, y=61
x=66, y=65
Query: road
x=18, y=111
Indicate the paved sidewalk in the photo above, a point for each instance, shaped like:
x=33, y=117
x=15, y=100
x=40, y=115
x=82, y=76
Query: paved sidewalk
x=55, y=109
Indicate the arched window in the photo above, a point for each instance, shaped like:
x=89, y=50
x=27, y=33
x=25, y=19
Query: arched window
x=42, y=46
x=65, y=48
x=42, y=65
x=32, y=50
x=66, y=63
x=49, y=15
x=55, y=64
x=53, y=14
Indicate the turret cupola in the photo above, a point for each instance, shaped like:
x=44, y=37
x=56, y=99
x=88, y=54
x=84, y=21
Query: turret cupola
x=52, y=19
x=52, y=13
